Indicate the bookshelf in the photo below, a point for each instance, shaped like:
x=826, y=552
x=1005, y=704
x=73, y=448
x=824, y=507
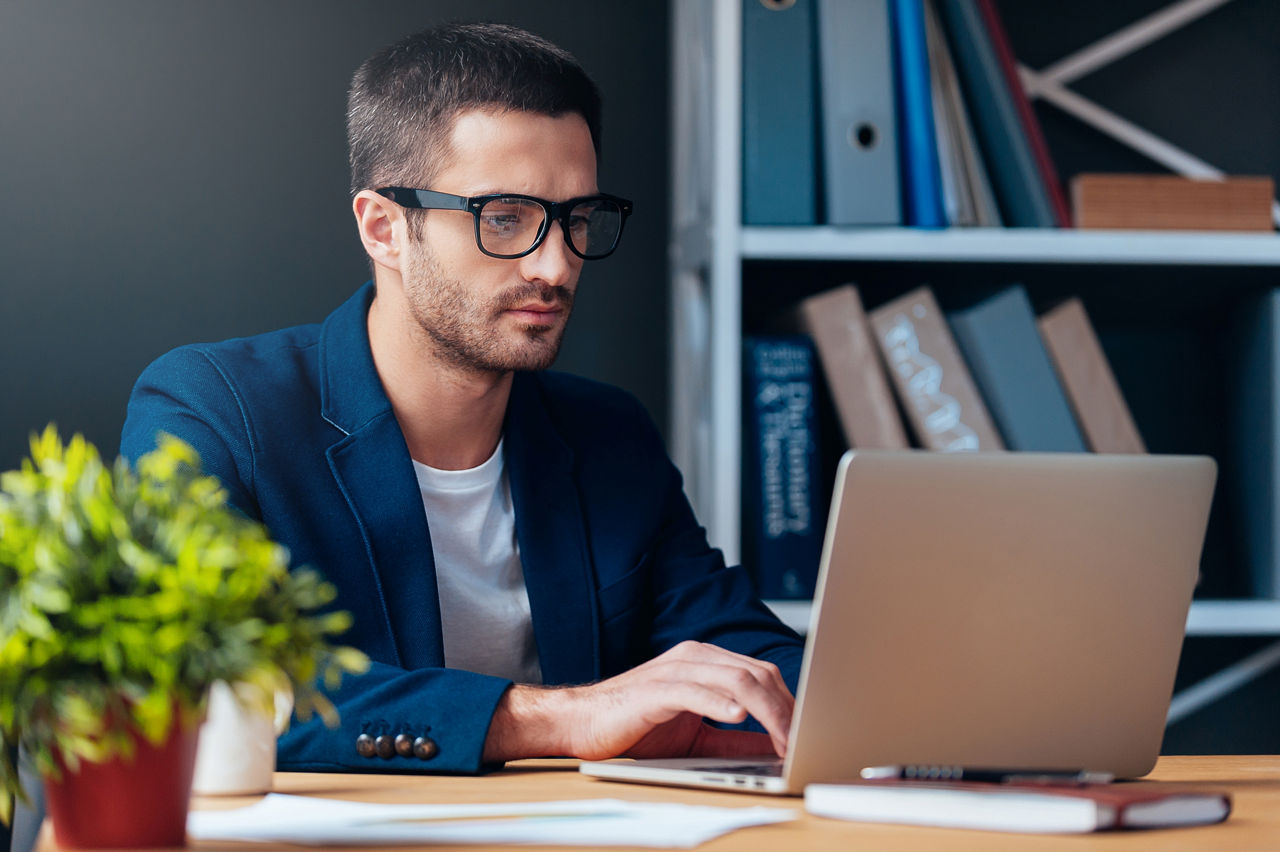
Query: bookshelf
x=713, y=255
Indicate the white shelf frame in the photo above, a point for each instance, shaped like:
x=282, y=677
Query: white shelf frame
x=1011, y=245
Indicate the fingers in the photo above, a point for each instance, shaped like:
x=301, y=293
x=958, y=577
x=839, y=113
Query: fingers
x=718, y=742
x=725, y=686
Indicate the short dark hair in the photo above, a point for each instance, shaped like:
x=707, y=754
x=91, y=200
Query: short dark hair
x=404, y=99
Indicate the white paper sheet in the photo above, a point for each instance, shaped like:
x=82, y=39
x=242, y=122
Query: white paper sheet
x=588, y=822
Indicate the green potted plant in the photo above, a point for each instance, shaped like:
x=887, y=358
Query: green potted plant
x=124, y=593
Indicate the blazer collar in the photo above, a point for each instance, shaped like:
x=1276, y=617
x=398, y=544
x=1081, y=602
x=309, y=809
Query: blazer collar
x=374, y=472
x=351, y=394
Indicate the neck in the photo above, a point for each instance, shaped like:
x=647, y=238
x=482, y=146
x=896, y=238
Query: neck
x=451, y=417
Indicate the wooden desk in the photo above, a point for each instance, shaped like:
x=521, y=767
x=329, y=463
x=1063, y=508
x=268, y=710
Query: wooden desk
x=1253, y=781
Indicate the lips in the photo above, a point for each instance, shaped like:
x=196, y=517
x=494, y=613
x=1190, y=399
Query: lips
x=537, y=314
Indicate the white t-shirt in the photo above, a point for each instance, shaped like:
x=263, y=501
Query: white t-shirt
x=484, y=606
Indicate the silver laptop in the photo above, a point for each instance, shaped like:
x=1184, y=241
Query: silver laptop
x=986, y=610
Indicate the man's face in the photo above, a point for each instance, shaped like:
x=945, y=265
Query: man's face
x=483, y=313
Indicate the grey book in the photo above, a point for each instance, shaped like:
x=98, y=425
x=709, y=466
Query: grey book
x=859, y=136
x=1002, y=345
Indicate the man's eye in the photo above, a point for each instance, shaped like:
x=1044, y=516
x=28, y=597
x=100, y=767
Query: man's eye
x=501, y=222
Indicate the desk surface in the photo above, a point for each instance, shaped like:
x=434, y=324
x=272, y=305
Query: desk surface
x=1253, y=781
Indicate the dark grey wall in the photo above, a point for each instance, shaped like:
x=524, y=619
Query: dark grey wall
x=176, y=171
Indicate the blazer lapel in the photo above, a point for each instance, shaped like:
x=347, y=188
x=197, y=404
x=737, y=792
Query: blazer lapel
x=373, y=469
x=552, y=539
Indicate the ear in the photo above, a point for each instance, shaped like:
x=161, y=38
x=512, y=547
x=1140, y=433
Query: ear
x=381, y=224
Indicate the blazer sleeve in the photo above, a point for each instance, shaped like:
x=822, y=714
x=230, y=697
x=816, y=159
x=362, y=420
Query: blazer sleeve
x=440, y=716
x=188, y=393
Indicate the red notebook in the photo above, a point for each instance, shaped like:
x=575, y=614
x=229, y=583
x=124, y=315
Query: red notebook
x=1031, y=808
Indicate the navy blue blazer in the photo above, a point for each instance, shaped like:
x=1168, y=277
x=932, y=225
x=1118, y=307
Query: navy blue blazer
x=298, y=428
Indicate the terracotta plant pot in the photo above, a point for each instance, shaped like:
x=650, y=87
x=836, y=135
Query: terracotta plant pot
x=140, y=802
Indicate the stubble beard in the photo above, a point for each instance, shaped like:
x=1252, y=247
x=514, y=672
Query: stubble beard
x=470, y=333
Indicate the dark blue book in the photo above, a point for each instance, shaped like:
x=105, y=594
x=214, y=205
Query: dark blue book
x=784, y=507
x=779, y=118
x=1255, y=442
x=1011, y=162
x=1002, y=345
x=917, y=138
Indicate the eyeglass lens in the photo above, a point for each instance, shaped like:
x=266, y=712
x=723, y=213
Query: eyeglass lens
x=510, y=226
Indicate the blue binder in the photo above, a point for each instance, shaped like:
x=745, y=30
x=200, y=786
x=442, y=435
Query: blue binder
x=779, y=118
x=917, y=139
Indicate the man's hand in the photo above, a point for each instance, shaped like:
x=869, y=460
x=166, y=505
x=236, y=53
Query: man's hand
x=654, y=710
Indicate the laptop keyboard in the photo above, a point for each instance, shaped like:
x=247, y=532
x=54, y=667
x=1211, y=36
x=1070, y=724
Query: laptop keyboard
x=773, y=770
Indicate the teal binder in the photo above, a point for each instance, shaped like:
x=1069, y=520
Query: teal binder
x=779, y=113
x=1002, y=345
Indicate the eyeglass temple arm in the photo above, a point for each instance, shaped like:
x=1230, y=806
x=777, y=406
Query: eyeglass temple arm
x=426, y=199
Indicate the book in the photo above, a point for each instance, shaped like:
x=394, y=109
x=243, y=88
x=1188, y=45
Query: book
x=917, y=138
x=1029, y=123
x=1086, y=376
x=1024, y=202
x=783, y=500
x=967, y=195
x=929, y=375
x=1030, y=808
x=1160, y=202
x=1253, y=440
x=859, y=137
x=779, y=119
x=1002, y=346
x=850, y=359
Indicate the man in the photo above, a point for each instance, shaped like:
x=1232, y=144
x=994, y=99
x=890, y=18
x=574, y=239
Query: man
x=514, y=545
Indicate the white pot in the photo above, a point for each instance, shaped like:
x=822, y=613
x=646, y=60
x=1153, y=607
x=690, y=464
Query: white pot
x=237, y=750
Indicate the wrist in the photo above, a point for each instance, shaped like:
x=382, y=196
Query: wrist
x=529, y=721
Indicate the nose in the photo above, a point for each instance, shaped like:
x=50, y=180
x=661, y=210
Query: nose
x=552, y=263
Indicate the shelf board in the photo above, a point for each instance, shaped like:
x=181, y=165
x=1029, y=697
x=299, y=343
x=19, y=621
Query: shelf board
x=1011, y=245
x=1207, y=617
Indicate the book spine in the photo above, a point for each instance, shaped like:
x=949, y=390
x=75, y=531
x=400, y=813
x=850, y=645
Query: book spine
x=1023, y=199
x=782, y=499
x=1087, y=378
x=1001, y=343
x=1255, y=441
x=779, y=113
x=937, y=392
x=1030, y=125
x=859, y=130
x=917, y=134
x=850, y=359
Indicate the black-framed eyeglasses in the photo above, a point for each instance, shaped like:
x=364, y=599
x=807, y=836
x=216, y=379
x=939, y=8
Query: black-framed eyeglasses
x=509, y=225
